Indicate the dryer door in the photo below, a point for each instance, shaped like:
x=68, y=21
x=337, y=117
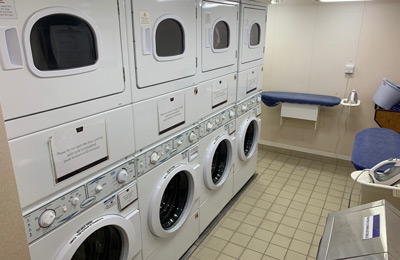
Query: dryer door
x=253, y=34
x=249, y=134
x=218, y=162
x=219, y=34
x=172, y=201
x=110, y=237
x=165, y=40
x=71, y=55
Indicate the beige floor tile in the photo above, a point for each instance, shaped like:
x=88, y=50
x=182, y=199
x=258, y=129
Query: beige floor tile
x=294, y=183
x=230, y=223
x=252, y=220
x=243, y=207
x=259, y=187
x=285, y=230
x=237, y=215
x=254, y=194
x=318, y=195
x=316, y=240
x=223, y=233
x=319, y=231
x=250, y=255
x=240, y=239
x=289, y=188
x=312, y=218
x=263, y=234
x=310, y=258
x=332, y=206
x=258, y=245
x=269, y=225
x=248, y=200
x=233, y=250
x=225, y=257
x=294, y=213
x=287, y=169
x=207, y=254
x=299, y=246
x=321, y=189
x=322, y=221
x=286, y=194
x=259, y=212
x=296, y=178
x=307, y=226
x=339, y=187
x=273, y=216
x=278, y=208
x=276, y=185
x=291, y=255
x=316, y=202
x=268, y=196
x=304, y=192
x=307, y=186
x=303, y=236
x=275, y=167
x=289, y=221
x=313, y=251
x=276, y=251
x=335, y=193
x=313, y=210
x=216, y=243
x=282, y=201
x=325, y=212
x=281, y=241
x=247, y=229
x=297, y=205
x=263, y=204
x=300, y=198
x=323, y=184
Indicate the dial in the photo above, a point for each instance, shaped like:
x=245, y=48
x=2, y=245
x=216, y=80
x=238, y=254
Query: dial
x=192, y=137
x=258, y=99
x=122, y=176
x=168, y=148
x=223, y=117
x=75, y=201
x=47, y=218
x=244, y=107
x=231, y=114
x=217, y=120
x=180, y=142
x=154, y=157
x=209, y=126
x=98, y=188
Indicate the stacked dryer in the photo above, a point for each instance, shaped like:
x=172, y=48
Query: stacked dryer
x=69, y=122
x=253, y=17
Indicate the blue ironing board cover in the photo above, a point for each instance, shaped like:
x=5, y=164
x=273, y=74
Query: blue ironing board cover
x=373, y=145
x=273, y=98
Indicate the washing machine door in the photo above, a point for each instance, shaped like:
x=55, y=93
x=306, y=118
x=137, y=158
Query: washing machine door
x=218, y=162
x=249, y=134
x=253, y=34
x=56, y=56
x=172, y=201
x=110, y=237
x=165, y=40
x=219, y=34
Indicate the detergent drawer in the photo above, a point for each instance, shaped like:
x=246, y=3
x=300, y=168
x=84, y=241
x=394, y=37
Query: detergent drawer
x=369, y=231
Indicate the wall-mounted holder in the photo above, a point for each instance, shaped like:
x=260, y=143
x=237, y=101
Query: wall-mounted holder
x=344, y=102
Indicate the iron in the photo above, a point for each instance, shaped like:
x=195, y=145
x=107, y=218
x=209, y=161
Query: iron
x=389, y=176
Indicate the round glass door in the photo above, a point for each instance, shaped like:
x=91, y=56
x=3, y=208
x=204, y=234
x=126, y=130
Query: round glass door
x=174, y=200
x=249, y=139
x=221, y=36
x=103, y=244
x=219, y=162
x=255, y=35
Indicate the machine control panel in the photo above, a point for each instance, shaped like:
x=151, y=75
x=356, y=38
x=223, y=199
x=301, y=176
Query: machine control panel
x=248, y=104
x=160, y=153
x=59, y=211
x=214, y=122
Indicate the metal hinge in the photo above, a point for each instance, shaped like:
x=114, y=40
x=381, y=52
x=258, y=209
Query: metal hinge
x=196, y=62
x=123, y=73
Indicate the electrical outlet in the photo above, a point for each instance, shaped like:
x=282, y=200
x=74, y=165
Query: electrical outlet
x=349, y=69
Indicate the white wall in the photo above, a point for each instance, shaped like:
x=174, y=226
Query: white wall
x=307, y=47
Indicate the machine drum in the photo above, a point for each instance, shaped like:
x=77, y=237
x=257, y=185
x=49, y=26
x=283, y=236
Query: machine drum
x=249, y=139
x=174, y=200
x=219, y=162
x=103, y=244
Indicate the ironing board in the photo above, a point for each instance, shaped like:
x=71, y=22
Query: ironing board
x=373, y=145
x=299, y=105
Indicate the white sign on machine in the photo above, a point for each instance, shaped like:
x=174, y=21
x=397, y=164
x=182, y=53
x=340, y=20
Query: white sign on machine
x=77, y=149
x=171, y=113
x=7, y=9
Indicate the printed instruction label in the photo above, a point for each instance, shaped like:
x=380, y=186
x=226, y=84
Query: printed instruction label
x=7, y=9
x=126, y=197
x=171, y=113
x=219, y=93
x=77, y=149
x=144, y=18
x=371, y=227
x=251, y=81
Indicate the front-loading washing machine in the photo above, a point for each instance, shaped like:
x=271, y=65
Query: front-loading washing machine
x=218, y=29
x=60, y=62
x=248, y=125
x=217, y=145
x=57, y=158
x=168, y=199
x=162, y=46
x=252, y=30
x=96, y=219
x=157, y=118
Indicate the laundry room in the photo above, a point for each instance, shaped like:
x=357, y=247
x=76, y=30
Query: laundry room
x=200, y=129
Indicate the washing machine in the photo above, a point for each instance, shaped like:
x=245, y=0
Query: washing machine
x=253, y=20
x=60, y=62
x=162, y=46
x=248, y=125
x=57, y=158
x=96, y=219
x=217, y=146
x=162, y=116
x=218, y=30
x=168, y=199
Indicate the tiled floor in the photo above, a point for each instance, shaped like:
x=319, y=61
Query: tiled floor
x=282, y=213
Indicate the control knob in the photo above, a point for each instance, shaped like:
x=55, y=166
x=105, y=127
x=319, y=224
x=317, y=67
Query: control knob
x=154, y=157
x=75, y=201
x=192, y=137
x=167, y=148
x=223, y=117
x=231, y=114
x=47, y=218
x=122, y=176
x=244, y=107
x=217, y=120
x=209, y=126
x=98, y=188
x=180, y=142
x=258, y=99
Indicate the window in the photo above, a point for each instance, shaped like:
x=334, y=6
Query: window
x=170, y=39
x=61, y=42
x=221, y=35
x=255, y=32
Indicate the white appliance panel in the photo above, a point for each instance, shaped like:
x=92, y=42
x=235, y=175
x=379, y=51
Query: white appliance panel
x=43, y=84
x=250, y=81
